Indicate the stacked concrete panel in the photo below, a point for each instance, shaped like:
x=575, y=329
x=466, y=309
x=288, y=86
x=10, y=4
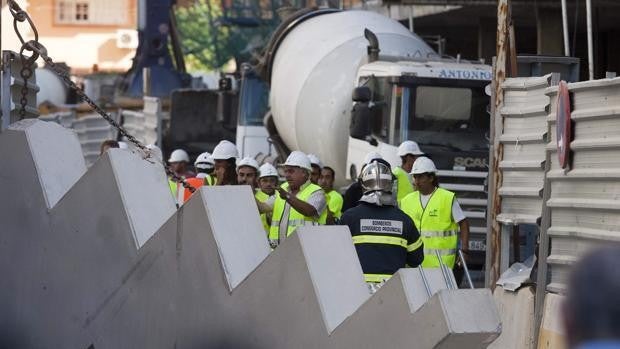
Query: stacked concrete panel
x=584, y=200
x=102, y=259
x=524, y=138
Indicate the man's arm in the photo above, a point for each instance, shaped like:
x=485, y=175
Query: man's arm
x=300, y=206
x=459, y=217
x=464, y=227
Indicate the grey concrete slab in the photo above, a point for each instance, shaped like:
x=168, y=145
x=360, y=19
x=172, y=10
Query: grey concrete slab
x=415, y=290
x=336, y=273
x=97, y=270
x=237, y=229
x=439, y=323
x=145, y=193
x=56, y=173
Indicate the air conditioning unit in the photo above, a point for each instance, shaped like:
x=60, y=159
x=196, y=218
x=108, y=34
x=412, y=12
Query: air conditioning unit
x=126, y=38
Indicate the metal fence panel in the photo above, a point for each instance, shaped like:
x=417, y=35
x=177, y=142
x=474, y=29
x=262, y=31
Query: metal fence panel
x=524, y=137
x=584, y=200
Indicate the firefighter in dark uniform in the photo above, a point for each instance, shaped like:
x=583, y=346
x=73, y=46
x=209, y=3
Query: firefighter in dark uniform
x=384, y=236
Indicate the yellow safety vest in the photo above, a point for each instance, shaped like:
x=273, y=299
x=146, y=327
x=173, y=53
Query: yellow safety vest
x=295, y=219
x=438, y=230
x=404, y=184
x=262, y=197
x=334, y=205
x=177, y=194
x=209, y=180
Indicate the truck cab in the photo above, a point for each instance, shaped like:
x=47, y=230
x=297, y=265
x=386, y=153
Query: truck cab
x=441, y=105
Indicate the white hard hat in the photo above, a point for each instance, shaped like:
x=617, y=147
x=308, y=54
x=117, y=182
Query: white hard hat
x=204, y=161
x=155, y=151
x=179, y=155
x=267, y=170
x=247, y=161
x=314, y=160
x=123, y=145
x=409, y=147
x=372, y=155
x=423, y=165
x=225, y=150
x=298, y=159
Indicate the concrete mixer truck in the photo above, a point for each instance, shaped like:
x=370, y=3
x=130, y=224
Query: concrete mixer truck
x=319, y=63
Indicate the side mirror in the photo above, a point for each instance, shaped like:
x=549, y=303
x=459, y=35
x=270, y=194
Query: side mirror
x=361, y=94
x=360, y=121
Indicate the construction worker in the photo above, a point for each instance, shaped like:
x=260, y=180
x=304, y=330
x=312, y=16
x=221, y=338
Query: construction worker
x=247, y=172
x=266, y=193
x=354, y=192
x=299, y=202
x=437, y=215
x=179, y=161
x=333, y=210
x=408, y=151
x=225, y=160
x=204, y=166
x=317, y=165
x=385, y=238
x=178, y=164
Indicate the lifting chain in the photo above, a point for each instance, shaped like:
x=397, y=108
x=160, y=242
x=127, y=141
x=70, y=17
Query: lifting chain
x=38, y=50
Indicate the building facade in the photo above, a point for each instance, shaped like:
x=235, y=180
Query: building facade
x=87, y=35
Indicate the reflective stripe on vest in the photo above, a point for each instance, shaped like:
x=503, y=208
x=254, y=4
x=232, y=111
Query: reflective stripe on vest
x=295, y=219
x=404, y=184
x=374, y=239
x=438, y=230
x=414, y=246
x=436, y=234
x=376, y=277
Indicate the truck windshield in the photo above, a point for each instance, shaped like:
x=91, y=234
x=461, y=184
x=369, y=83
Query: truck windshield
x=253, y=101
x=452, y=117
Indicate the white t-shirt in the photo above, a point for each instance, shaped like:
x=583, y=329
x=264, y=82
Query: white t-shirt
x=457, y=212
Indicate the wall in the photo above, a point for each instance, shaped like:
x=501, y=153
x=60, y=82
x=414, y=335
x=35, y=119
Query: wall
x=79, y=46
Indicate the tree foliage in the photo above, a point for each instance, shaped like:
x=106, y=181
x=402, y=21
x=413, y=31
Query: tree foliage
x=209, y=41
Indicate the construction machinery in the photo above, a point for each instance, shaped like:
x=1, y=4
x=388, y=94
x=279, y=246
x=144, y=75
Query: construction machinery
x=340, y=84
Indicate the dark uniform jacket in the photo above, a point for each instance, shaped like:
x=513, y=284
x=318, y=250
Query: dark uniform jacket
x=385, y=238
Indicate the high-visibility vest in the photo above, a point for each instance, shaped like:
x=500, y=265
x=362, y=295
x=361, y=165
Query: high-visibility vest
x=334, y=205
x=177, y=194
x=404, y=184
x=209, y=180
x=182, y=194
x=438, y=230
x=295, y=219
x=262, y=197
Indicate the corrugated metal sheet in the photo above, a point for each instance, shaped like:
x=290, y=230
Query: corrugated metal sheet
x=584, y=201
x=524, y=137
